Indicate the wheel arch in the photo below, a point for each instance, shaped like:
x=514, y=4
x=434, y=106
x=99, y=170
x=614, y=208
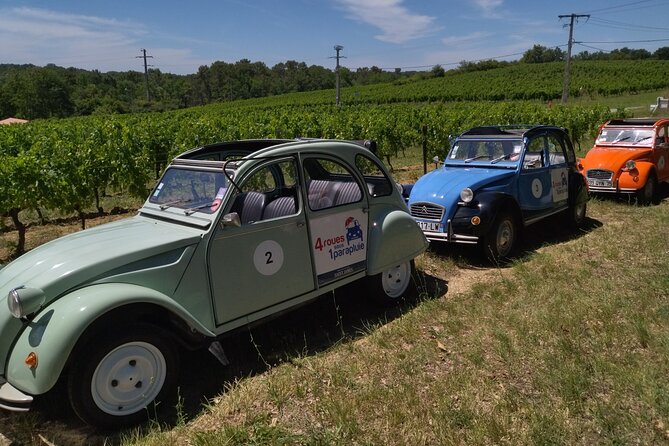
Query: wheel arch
x=397, y=225
x=493, y=203
x=87, y=312
x=644, y=169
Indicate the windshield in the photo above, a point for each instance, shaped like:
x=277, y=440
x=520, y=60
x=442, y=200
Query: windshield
x=190, y=189
x=486, y=151
x=635, y=137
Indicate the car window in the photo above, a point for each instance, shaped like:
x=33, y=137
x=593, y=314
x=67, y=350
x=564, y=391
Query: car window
x=485, y=151
x=270, y=192
x=378, y=184
x=629, y=136
x=329, y=184
x=555, y=151
x=661, y=135
x=534, y=155
x=190, y=189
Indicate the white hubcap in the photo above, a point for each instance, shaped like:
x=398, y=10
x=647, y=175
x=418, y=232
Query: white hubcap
x=128, y=378
x=396, y=280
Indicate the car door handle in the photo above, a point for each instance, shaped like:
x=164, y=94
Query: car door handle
x=300, y=223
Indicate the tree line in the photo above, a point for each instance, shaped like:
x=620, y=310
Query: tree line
x=31, y=92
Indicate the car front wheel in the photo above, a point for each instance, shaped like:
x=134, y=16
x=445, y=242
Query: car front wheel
x=646, y=195
x=393, y=284
x=500, y=241
x=113, y=382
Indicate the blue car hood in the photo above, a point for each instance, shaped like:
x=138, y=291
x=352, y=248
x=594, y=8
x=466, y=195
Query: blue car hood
x=443, y=186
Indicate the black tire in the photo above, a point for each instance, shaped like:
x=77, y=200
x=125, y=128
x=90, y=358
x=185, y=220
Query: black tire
x=575, y=215
x=499, y=244
x=646, y=195
x=116, y=381
x=394, y=284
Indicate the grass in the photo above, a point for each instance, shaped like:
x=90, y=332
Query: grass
x=567, y=345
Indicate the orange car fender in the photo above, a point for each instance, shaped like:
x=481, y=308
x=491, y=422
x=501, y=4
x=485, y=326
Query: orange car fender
x=635, y=178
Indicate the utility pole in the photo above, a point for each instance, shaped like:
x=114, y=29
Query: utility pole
x=146, y=73
x=567, y=67
x=338, y=48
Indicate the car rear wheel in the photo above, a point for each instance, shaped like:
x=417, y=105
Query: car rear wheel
x=646, y=195
x=394, y=284
x=576, y=214
x=500, y=241
x=112, y=382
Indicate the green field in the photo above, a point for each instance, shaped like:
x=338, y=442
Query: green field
x=566, y=345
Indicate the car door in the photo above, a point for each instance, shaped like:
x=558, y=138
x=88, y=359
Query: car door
x=266, y=260
x=661, y=153
x=338, y=219
x=534, y=181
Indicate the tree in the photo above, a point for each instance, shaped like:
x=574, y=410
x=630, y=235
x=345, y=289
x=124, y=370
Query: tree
x=662, y=53
x=541, y=54
x=438, y=71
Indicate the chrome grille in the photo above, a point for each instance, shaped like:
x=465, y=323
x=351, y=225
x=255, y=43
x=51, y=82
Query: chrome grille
x=599, y=174
x=427, y=210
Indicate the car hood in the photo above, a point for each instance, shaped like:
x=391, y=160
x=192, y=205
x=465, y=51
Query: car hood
x=443, y=185
x=612, y=158
x=76, y=259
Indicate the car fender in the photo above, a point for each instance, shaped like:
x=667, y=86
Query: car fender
x=578, y=186
x=641, y=172
x=55, y=331
x=397, y=225
x=490, y=203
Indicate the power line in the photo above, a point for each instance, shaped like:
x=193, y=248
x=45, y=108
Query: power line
x=630, y=41
x=610, y=8
x=623, y=25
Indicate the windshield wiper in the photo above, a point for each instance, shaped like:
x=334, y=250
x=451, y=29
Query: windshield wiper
x=169, y=204
x=621, y=139
x=196, y=208
x=468, y=160
x=506, y=156
x=642, y=139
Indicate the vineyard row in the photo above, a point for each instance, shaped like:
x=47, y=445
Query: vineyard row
x=65, y=165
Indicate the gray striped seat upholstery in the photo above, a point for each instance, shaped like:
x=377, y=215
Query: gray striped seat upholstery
x=280, y=207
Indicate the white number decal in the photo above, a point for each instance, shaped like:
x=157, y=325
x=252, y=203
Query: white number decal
x=268, y=257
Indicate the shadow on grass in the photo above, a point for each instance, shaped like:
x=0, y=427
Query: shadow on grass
x=550, y=231
x=333, y=318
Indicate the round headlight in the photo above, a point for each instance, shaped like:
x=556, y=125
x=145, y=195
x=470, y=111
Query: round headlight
x=23, y=301
x=466, y=195
x=14, y=304
x=630, y=165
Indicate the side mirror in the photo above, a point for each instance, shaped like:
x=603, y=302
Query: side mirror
x=231, y=219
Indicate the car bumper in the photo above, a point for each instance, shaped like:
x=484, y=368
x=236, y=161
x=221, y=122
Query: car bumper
x=450, y=236
x=13, y=399
x=611, y=190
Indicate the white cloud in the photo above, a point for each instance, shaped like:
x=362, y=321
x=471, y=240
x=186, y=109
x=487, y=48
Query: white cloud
x=397, y=23
x=489, y=7
x=40, y=36
x=466, y=40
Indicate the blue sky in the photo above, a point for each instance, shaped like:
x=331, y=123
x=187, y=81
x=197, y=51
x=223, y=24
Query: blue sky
x=408, y=34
